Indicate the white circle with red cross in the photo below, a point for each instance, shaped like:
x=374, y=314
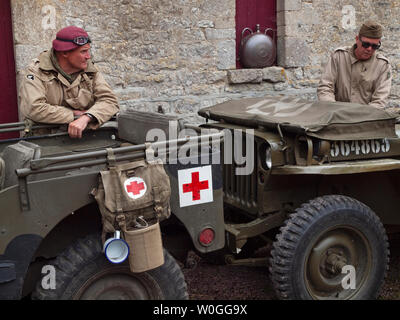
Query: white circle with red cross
x=135, y=187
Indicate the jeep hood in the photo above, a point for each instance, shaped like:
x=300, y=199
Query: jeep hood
x=324, y=120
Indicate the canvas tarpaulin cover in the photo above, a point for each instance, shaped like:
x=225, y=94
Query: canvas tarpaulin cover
x=324, y=120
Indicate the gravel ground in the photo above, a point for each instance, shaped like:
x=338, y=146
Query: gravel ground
x=227, y=282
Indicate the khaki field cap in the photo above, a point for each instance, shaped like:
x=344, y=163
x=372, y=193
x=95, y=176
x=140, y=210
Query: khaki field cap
x=371, y=29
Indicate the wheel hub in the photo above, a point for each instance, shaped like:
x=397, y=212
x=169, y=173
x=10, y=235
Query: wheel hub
x=335, y=262
x=334, y=250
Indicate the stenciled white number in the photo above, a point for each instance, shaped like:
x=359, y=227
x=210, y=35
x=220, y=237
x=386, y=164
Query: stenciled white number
x=346, y=148
x=365, y=149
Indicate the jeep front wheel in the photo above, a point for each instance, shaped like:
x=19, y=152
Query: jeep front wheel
x=333, y=247
x=84, y=273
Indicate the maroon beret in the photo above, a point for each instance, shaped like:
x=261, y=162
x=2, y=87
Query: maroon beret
x=65, y=37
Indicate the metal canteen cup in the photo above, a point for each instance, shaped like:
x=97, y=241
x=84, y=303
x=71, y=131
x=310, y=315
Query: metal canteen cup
x=257, y=50
x=116, y=249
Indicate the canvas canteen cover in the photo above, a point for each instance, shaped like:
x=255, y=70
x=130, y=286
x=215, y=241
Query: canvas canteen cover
x=146, y=247
x=324, y=120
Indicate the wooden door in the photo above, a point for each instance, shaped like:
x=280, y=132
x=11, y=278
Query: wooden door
x=249, y=13
x=8, y=89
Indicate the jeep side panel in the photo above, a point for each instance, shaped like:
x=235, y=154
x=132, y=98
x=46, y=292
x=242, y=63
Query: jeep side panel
x=51, y=199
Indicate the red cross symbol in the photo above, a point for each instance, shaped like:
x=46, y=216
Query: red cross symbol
x=135, y=187
x=195, y=186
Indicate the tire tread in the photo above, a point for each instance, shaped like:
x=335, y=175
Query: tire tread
x=296, y=226
x=86, y=250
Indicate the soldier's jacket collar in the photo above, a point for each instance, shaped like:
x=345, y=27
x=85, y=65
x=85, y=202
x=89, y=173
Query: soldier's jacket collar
x=46, y=64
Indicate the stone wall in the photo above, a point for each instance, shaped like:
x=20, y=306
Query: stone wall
x=180, y=54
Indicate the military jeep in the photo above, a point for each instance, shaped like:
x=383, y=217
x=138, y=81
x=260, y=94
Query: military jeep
x=321, y=188
x=50, y=224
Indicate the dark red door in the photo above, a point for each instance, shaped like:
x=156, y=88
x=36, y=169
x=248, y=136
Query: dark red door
x=249, y=13
x=8, y=89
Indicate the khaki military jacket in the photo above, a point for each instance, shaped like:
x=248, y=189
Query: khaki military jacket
x=347, y=79
x=47, y=97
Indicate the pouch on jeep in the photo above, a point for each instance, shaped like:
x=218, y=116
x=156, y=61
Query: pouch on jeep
x=131, y=190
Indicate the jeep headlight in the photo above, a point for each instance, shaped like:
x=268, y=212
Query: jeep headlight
x=268, y=157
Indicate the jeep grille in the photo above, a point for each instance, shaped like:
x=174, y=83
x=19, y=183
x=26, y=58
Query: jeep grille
x=240, y=190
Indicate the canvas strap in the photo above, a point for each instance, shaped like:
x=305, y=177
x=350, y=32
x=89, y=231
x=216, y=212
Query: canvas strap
x=111, y=161
x=158, y=209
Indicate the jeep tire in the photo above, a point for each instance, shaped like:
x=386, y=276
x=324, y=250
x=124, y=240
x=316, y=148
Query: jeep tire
x=84, y=273
x=333, y=247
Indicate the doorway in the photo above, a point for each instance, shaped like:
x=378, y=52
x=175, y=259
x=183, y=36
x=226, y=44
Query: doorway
x=8, y=87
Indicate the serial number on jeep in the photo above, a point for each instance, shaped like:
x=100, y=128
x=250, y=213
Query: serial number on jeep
x=359, y=147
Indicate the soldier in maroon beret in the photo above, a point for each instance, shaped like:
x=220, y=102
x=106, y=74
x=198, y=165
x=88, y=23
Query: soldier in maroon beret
x=62, y=86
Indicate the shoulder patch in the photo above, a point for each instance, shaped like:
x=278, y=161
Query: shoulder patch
x=30, y=77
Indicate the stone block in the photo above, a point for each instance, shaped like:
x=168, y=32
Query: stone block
x=218, y=34
x=293, y=52
x=274, y=74
x=288, y=5
x=24, y=54
x=299, y=19
x=287, y=31
x=226, y=51
x=225, y=22
x=285, y=18
x=130, y=93
x=187, y=36
x=206, y=24
x=294, y=74
x=245, y=76
x=280, y=86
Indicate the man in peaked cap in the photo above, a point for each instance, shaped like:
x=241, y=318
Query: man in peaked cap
x=62, y=86
x=358, y=73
